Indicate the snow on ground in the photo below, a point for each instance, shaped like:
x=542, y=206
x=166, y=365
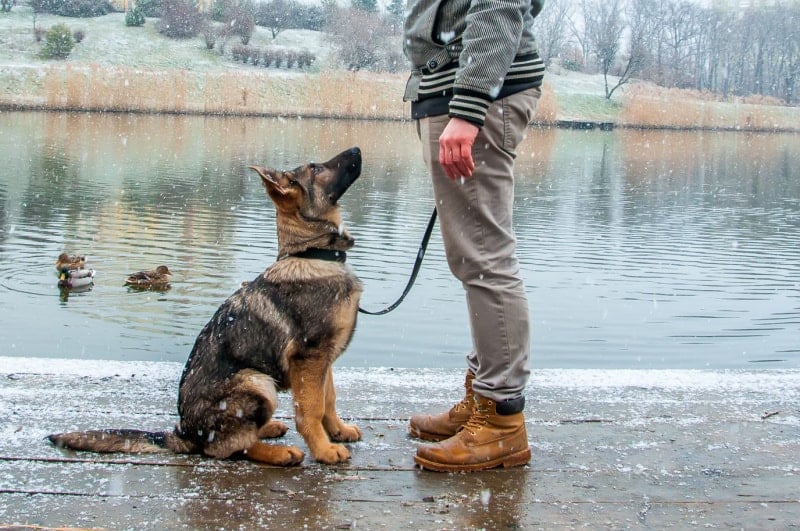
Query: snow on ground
x=89, y=368
x=569, y=82
x=774, y=382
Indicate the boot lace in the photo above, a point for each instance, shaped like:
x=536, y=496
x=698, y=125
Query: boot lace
x=461, y=406
x=476, y=421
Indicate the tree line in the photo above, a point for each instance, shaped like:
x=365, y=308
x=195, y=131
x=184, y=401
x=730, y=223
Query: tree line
x=675, y=43
x=672, y=43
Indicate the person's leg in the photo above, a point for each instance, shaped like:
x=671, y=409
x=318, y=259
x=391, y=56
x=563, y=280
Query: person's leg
x=443, y=425
x=476, y=223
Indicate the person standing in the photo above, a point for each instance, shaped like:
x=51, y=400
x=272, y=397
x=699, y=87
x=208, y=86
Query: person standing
x=475, y=81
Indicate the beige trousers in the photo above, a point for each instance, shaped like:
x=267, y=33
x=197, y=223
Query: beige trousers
x=475, y=219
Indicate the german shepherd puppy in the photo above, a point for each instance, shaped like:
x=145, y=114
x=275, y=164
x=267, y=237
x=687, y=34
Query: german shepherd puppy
x=283, y=330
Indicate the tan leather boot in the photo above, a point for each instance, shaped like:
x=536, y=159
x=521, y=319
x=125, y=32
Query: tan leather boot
x=444, y=425
x=488, y=440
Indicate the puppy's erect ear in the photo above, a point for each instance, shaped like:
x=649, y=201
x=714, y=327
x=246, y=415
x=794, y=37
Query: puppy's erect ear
x=269, y=178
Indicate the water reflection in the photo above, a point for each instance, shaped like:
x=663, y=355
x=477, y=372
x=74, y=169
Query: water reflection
x=639, y=249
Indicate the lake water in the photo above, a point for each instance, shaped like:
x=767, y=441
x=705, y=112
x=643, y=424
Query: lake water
x=639, y=249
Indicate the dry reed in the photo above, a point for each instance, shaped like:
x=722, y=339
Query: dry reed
x=547, y=108
x=243, y=92
x=656, y=107
x=359, y=95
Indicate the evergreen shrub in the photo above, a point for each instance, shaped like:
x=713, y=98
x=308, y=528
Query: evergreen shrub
x=58, y=42
x=135, y=16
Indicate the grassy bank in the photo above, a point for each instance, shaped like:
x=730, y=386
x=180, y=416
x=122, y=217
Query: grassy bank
x=119, y=68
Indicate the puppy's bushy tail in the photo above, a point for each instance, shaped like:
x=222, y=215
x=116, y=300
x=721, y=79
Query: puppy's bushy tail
x=124, y=441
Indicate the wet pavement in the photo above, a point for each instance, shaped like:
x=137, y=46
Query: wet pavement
x=611, y=450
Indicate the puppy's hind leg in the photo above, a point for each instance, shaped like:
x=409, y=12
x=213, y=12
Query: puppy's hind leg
x=274, y=455
x=240, y=416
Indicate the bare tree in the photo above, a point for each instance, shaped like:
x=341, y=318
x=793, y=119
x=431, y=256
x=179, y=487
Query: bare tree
x=577, y=29
x=360, y=37
x=680, y=31
x=604, y=30
x=645, y=29
x=708, y=57
x=642, y=26
x=275, y=15
x=743, y=58
x=788, y=65
x=551, y=28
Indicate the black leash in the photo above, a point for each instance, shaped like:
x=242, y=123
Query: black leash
x=420, y=255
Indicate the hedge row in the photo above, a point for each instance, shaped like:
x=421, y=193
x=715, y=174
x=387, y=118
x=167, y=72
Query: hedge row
x=274, y=57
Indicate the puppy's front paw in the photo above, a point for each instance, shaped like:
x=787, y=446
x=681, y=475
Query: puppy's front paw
x=332, y=454
x=347, y=433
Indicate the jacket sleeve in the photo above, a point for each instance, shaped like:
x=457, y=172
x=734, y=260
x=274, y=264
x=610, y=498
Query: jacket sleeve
x=490, y=42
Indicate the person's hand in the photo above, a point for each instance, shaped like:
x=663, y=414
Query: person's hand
x=455, y=148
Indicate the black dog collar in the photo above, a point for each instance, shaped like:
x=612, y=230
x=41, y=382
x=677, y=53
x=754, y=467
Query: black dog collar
x=320, y=254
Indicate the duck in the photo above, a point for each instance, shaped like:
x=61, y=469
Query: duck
x=75, y=278
x=70, y=262
x=155, y=279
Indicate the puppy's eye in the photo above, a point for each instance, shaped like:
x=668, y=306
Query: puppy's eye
x=316, y=168
x=292, y=183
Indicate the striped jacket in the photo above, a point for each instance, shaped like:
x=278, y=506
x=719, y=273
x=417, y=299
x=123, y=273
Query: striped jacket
x=467, y=53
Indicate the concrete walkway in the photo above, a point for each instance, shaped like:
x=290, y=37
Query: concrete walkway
x=612, y=450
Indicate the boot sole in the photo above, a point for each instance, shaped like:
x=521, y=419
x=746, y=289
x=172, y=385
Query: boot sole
x=516, y=459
